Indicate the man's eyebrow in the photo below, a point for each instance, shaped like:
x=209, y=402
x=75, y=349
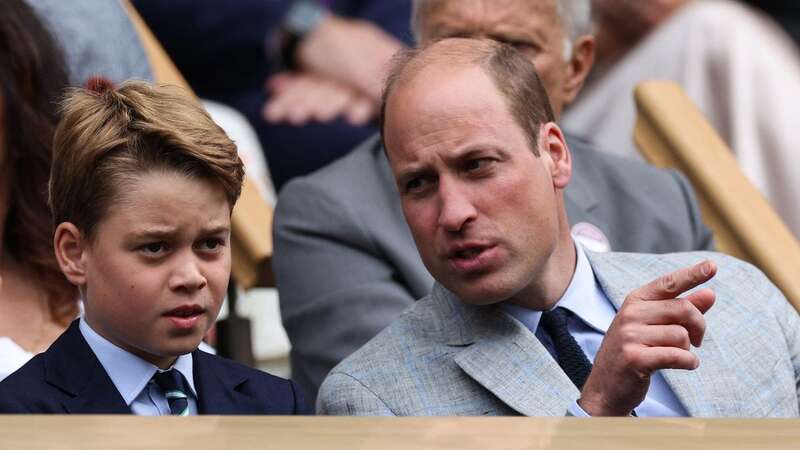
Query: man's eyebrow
x=404, y=176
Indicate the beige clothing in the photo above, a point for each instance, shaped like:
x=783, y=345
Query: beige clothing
x=738, y=67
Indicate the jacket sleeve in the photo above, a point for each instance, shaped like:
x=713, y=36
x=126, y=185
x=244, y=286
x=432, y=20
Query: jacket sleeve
x=702, y=235
x=343, y=395
x=336, y=289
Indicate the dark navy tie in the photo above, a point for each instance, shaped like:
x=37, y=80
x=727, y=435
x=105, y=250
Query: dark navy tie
x=176, y=391
x=569, y=354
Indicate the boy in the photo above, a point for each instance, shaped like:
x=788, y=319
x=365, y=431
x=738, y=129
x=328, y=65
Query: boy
x=141, y=189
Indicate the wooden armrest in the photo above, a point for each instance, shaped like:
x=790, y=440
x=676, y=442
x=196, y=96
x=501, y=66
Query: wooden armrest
x=671, y=132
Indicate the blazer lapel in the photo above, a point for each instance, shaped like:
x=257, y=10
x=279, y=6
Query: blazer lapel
x=507, y=359
x=71, y=366
x=221, y=390
x=706, y=391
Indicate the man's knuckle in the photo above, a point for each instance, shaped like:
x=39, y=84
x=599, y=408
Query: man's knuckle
x=668, y=283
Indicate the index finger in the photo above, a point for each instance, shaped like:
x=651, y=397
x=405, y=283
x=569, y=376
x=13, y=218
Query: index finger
x=676, y=283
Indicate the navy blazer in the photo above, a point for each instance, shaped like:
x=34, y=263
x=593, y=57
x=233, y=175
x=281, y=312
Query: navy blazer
x=69, y=379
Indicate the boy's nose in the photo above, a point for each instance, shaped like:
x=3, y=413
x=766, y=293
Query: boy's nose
x=187, y=276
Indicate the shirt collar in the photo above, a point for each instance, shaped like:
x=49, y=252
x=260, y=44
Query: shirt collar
x=583, y=297
x=129, y=373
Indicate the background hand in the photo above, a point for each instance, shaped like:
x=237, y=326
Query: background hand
x=302, y=98
x=353, y=52
x=653, y=330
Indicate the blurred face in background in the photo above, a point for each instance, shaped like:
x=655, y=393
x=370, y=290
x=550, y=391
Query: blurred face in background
x=533, y=27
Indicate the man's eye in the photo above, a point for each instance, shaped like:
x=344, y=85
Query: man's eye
x=416, y=185
x=526, y=48
x=475, y=165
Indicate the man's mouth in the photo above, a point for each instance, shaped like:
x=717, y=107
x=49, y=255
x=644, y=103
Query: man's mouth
x=469, y=253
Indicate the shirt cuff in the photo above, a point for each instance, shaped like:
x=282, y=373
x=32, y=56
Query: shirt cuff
x=575, y=410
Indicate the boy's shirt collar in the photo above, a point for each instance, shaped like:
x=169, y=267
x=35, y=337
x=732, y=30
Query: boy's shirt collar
x=129, y=373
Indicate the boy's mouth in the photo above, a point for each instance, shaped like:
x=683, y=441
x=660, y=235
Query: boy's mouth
x=186, y=316
x=185, y=311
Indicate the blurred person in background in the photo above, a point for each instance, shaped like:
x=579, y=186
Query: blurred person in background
x=36, y=301
x=307, y=74
x=734, y=62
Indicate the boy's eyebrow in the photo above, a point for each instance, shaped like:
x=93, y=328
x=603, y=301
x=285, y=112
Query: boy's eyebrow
x=152, y=233
x=217, y=229
x=166, y=232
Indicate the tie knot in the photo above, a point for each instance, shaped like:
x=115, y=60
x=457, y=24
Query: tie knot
x=170, y=380
x=555, y=321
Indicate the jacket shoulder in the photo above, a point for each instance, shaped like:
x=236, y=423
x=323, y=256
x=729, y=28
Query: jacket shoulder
x=284, y=395
x=27, y=391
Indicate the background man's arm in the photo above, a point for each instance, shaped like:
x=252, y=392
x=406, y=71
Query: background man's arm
x=336, y=289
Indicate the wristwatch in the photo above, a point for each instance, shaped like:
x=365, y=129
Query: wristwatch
x=300, y=20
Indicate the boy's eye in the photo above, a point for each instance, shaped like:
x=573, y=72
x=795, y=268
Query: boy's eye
x=153, y=248
x=210, y=245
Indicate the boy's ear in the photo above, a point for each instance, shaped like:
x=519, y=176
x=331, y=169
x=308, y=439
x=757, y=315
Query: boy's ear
x=70, y=245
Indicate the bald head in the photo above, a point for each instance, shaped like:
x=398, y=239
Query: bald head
x=512, y=74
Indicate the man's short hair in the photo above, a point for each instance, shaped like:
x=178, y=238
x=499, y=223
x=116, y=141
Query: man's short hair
x=512, y=74
x=576, y=16
x=108, y=137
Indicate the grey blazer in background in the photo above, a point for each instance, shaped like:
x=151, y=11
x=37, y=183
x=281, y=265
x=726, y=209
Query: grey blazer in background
x=444, y=357
x=346, y=265
x=97, y=39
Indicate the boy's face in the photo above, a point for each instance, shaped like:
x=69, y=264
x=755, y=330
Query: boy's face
x=158, y=266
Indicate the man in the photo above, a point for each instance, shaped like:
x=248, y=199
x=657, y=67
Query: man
x=345, y=262
x=519, y=310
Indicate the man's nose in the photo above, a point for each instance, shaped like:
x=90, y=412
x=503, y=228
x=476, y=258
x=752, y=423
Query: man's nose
x=456, y=209
x=186, y=275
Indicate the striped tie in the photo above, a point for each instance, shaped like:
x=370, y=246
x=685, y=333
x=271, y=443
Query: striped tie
x=174, y=387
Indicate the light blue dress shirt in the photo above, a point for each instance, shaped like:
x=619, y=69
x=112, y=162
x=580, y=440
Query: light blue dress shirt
x=585, y=298
x=132, y=375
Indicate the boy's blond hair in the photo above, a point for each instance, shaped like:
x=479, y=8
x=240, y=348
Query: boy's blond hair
x=109, y=137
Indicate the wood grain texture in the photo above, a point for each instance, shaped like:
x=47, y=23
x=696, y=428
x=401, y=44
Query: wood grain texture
x=287, y=433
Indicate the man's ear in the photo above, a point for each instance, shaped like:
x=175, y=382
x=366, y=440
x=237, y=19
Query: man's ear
x=70, y=248
x=578, y=67
x=552, y=142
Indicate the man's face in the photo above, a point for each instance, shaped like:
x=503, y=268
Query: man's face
x=158, y=267
x=532, y=26
x=483, y=208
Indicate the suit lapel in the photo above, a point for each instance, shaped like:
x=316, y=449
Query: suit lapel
x=706, y=391
x=221, y=390
x=506, y=358
x=71, y=366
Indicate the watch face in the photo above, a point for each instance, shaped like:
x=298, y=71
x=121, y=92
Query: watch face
x=304, y=16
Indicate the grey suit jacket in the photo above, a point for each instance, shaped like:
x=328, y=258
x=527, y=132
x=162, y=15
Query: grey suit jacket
x=444, y=357
x=97, y=39
x=346, y=265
